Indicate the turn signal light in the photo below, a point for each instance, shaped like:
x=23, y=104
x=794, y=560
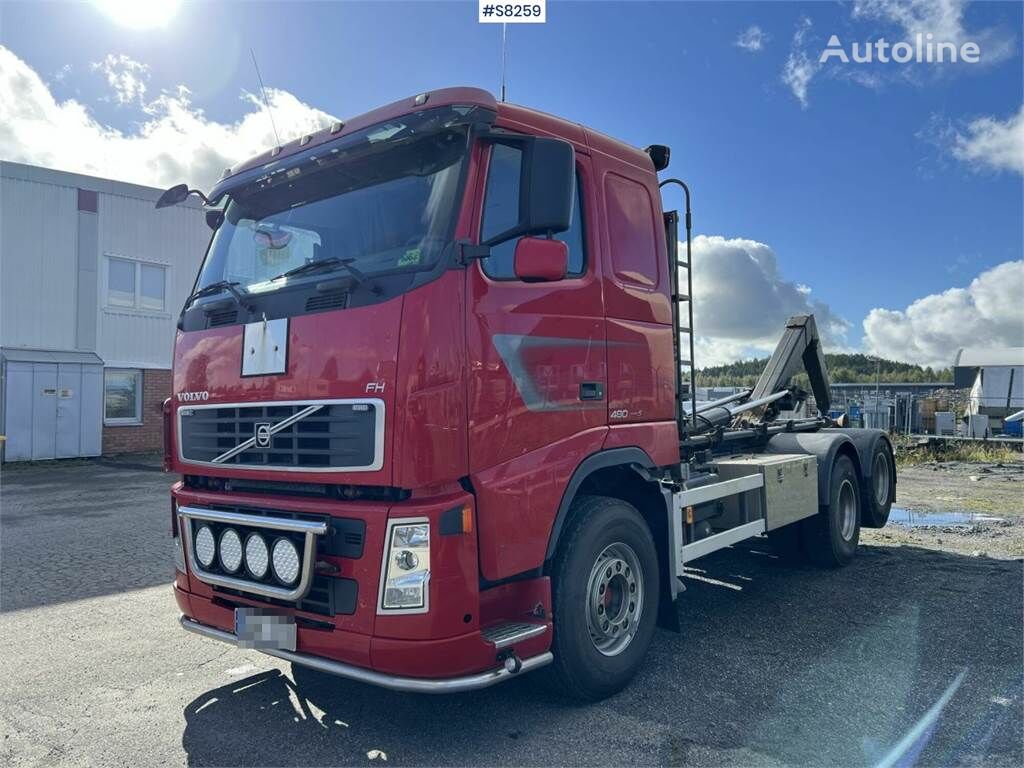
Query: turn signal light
x=166, y=412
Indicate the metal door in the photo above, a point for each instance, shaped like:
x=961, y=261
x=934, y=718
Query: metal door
x=19, y=397
x=90, y=403
x=52, y=410
x=44, y=411
x=69, y=410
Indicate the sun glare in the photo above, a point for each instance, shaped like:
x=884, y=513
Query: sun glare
x=139, y=14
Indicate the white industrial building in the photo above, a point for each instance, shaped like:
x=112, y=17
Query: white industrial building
x=92, y=278
x=996, y=380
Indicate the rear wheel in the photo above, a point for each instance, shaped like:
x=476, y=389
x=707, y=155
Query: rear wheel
x=879, y=491
x=830, y=537
x=605, y=588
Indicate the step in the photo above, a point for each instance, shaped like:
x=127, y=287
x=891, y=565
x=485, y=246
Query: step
x=504, y=635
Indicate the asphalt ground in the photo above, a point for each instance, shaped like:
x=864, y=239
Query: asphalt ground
x=774, y=665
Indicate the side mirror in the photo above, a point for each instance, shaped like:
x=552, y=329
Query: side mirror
x=173, y=196
x=538, y=259
x=660, y=156
x=547, y=186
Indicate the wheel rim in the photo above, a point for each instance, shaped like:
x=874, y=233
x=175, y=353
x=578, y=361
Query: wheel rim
x=847, y=510
x=615, y=598
x=880, y=472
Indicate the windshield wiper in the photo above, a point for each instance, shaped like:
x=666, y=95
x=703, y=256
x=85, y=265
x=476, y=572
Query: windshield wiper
x=220, y=287
x=328, y=264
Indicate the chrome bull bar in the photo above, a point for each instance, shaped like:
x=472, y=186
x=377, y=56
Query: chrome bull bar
x=470, y=682
x=309, y=529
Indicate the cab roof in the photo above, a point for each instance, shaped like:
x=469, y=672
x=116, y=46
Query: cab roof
x=508, y=116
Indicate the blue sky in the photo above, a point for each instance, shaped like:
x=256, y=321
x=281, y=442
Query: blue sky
x=871, y=193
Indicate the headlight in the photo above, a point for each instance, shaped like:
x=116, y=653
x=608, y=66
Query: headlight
x=286, y=561
x=257, y=558
x=230, y=550
x=205, y=546
x=407, y=568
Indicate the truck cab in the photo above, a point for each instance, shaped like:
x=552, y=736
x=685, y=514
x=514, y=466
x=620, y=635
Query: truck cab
x=426, y=404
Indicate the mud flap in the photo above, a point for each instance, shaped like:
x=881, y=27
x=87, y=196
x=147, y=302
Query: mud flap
x=671, y=584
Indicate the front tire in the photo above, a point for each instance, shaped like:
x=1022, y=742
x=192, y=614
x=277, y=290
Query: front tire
x=830, y=537
x=605, y=587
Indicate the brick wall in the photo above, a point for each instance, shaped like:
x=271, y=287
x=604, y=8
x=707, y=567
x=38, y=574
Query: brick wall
x=148, y=436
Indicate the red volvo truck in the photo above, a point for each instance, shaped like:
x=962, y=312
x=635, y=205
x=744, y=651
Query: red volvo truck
x=433, y=408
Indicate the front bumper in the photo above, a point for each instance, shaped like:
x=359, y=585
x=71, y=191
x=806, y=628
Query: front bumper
x=392, y=682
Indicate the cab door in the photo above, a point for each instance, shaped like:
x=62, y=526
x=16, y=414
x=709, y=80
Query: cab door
x=536, y=351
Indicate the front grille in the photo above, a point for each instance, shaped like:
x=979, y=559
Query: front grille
x=327, y=596
x=339, y=435
x=343, y=492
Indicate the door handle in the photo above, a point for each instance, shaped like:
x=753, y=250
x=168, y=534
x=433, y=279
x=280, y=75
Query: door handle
x=591, y=390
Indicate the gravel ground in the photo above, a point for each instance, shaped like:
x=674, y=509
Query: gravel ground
x=991, y=494
x=774, y=665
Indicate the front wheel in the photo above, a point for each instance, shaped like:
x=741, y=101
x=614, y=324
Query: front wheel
x=605, y=588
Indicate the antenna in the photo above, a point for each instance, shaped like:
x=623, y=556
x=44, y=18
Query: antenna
x=504, y=59
x=263, y=91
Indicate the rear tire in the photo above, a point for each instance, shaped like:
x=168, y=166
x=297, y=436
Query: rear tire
x=605, y=588
x=830, y=537
x=879, y=490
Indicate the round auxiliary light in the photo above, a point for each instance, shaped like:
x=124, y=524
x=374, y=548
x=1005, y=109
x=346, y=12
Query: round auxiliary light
x=230, y=550
x=286, y=561
x=257, y=556
x=206, y=548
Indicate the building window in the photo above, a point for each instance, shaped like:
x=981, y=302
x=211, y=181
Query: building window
x=136, y=285
x=122, y=396
x=501, y=213
x=151, y=287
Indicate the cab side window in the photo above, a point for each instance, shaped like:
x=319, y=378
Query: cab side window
x=501, y=212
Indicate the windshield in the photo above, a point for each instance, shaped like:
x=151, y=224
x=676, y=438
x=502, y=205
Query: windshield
x=383, y=206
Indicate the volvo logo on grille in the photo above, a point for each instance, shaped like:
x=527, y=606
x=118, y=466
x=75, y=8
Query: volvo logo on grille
x=263, y=435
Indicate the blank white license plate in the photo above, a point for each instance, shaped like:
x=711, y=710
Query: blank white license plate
x=264, y=630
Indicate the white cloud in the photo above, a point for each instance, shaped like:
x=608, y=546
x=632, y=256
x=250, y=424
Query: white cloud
x=126, y=77
x=987, y=313
x=800, y=67
x=993, y=143
x=742, y=302
x=944, y=19
x=174, y=143
x=896, y=21
x=752, y=39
